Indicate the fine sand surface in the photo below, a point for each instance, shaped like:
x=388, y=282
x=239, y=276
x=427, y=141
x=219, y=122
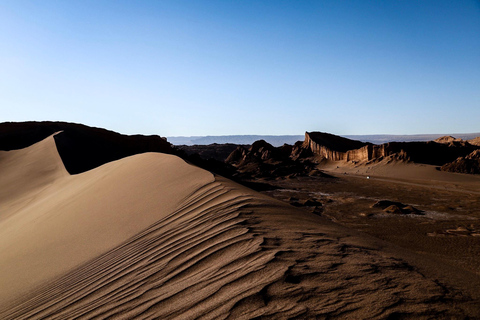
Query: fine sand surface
x=411, y=173
x=152, y=237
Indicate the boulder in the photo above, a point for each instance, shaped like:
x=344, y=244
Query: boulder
x=393, y=209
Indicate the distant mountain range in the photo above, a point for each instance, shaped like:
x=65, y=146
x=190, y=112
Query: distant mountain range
x=240, y=139
x=291, y=139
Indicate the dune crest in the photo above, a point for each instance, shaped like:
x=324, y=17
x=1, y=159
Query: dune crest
x=67, y=220
x=150, y=236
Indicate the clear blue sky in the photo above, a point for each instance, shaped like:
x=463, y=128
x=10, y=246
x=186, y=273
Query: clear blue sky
x=243, y=67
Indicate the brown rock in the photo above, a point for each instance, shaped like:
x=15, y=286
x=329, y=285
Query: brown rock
x=410, y=210
x=383, y=204
x=312, y=203
x=393, y=209
x=468, y=164
x=475, y=141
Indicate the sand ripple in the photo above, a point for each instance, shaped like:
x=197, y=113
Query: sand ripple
x=224, y=254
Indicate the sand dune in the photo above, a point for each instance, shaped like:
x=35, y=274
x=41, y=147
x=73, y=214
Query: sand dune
x=150, y=236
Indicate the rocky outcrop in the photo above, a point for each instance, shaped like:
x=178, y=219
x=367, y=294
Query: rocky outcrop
x=452, y=141
x=395, y=207
x=237, y=155
x=468, y=164
x=262, y=160
x=300, y=151
x=475, y=141
x=446, y=139
x=260, y=151
x=214, y=151
x=263, y=150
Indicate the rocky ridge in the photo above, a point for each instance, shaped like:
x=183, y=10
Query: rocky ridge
x=432, y=152
x=264, y=160
x=468, y=164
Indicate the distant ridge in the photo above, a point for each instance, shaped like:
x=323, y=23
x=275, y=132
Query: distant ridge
x=291, y=139
x=384, y=138
x=235, y=139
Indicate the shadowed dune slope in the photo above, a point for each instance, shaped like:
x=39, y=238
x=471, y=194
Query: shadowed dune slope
x=81, y=147
x=26, y=172
x=151, y=237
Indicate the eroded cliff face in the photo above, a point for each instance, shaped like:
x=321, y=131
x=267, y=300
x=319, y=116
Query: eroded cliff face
x=361, y=154
x=336, y=148
x=332, y=147
x=373, y=152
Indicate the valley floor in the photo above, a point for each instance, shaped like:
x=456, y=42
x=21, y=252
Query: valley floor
x=447, y=230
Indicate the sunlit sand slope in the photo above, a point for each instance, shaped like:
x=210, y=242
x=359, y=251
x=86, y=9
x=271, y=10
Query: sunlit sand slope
x=152, y=237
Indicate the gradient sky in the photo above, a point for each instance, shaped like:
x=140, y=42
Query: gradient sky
x=243, y=67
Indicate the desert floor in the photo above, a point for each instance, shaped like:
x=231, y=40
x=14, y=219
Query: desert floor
x=447, y=229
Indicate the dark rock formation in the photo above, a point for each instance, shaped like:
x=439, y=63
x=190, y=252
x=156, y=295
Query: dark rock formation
x=215, y=151
x=468, y=164
x=260, y=151
x=212, y=165
x=237, y=155
x=262, y=160
x=310, y=204
x=383, y=204
x=411, y=210
x=300, y=151
x=395, y=207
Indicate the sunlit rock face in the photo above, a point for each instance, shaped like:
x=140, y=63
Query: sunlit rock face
x=337, y=148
